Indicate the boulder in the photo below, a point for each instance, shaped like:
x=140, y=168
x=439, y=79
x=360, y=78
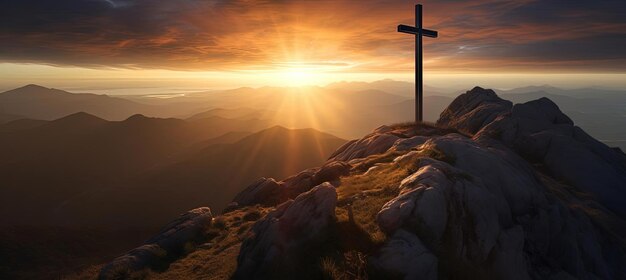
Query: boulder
x=299, y=183
x=263, y=191
x=280, y=244
x=268, y=192
x=331, y=172
x=170, y=243
x=409, y=143
x=305, y=180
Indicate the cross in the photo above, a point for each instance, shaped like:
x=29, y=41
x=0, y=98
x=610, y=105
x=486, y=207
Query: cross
x=418, y=31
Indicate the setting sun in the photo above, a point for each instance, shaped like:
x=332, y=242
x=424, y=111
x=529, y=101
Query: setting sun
x=298, y=77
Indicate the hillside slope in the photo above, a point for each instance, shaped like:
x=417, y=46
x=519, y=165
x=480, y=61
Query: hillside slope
x=493, y=191
x=79, y=190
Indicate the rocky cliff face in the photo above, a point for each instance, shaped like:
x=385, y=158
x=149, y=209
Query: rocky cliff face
x=492, y=191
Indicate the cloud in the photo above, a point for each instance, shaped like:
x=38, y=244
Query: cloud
x=252, y=34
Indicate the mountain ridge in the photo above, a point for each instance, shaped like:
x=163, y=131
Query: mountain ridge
x=493, y=190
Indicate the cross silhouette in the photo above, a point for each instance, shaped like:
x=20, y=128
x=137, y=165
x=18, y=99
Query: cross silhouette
x=418, y=31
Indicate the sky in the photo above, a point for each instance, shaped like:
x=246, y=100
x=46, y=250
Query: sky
x=91, y=44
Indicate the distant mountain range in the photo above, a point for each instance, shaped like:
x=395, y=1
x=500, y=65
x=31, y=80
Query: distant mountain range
x=90, y=185
x=37, y=102
x=345, y=109
x=61, y=167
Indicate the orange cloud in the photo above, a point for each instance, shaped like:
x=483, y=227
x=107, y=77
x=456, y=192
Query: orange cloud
x=343, y=35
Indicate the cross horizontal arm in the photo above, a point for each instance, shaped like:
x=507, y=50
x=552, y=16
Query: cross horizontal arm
x=414, y=30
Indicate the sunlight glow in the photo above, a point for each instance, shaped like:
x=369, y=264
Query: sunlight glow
x=298, y=77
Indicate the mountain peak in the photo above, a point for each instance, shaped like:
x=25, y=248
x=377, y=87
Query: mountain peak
x=81, y=116
x=503, y=175
x=33, y=86
x=137, y=117
x=79, y=119
x=30, y=91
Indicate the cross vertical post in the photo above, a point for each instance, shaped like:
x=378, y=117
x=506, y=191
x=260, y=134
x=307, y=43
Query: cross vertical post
x=418, y=31
x=419, y=78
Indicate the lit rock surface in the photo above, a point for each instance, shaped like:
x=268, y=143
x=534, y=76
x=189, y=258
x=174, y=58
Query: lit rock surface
x=375, y=143
x=263, y=191
x=541, y=133
x=271, y=193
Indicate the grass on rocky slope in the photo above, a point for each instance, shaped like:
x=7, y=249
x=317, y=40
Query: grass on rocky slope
x=373, y=182
x=218, y=257
x=360, y=197
x=215, y=259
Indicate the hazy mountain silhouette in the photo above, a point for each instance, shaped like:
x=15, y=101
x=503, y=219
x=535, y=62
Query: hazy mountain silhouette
x=78, y=189
x=37, y=102
x=4, y=118
x=45, y=163
x=363, y=106
x=235, y=113
x=211, y=175
x=51, y=165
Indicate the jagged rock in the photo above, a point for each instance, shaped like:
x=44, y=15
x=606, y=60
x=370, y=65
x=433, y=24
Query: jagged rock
x=404, y=257
x=280, y=243
x=499, y=169
x=305, y=180
x=164, y=247
x=540, y=132
x=268, y=192
x=263, y=191
x=331, y=171
x=301, y=182
x=474, y=109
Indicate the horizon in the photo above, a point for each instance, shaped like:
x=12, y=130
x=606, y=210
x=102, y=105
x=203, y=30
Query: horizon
x=561, y=81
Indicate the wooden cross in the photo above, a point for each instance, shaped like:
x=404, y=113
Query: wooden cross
x=418, y=31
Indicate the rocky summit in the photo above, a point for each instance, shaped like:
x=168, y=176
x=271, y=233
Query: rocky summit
x=493, y=190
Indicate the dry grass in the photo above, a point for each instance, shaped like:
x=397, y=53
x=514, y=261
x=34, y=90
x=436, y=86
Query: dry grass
x=367, y=193
x=353, y=265
x=409, y=129
x=215, y=259
x=363, y=194
x=86, y=274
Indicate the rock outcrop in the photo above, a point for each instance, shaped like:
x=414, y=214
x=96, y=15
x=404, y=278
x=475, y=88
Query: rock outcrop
x=163, y=248
x=542, y=134
x=269, y=192
x=280, y=243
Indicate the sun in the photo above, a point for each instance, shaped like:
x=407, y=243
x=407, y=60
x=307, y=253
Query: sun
x=298, y=77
